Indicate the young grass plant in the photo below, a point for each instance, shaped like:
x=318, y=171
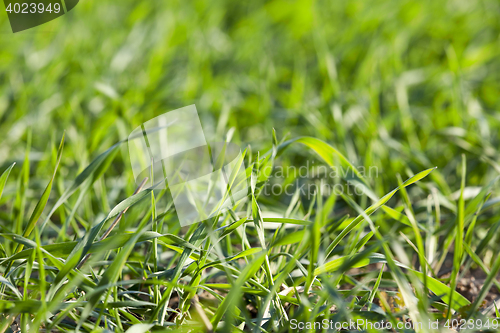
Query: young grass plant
x=332, y=90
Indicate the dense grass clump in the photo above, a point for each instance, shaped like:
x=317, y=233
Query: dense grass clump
x=370, y=134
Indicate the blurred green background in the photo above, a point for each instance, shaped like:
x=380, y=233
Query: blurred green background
x=402, y=85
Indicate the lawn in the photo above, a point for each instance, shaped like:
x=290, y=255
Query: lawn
x=369, y=133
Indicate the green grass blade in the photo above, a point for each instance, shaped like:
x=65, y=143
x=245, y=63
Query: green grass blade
x=93, y=171
x=457, y=255
x=40, y=206
x=370, y=210
x=4, y=176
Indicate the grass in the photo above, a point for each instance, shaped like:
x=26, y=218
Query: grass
x=408, y=90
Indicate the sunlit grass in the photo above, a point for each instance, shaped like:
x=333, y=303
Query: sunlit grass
x=399, y=86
